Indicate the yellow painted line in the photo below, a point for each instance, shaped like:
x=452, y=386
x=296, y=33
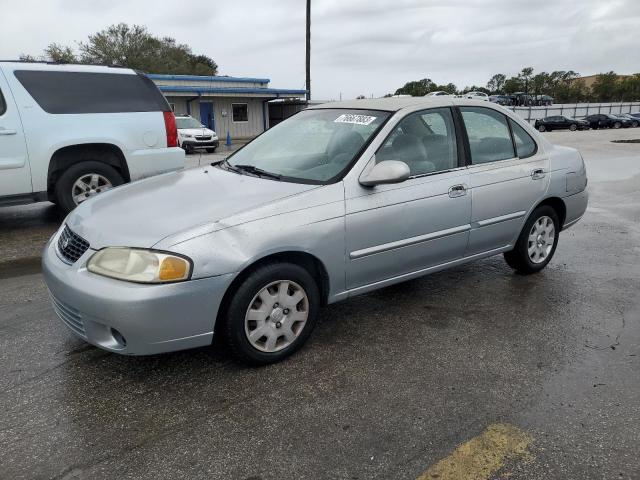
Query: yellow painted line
x=480, y=457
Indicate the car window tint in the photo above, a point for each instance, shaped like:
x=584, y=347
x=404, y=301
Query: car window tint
x=425, y=141
x=489, y=136
x=91, y=92
x=525, y=145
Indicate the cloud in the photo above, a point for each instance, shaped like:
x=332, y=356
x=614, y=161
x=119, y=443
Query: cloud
x=360, y=46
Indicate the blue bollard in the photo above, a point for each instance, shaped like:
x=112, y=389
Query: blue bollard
x=228, y=139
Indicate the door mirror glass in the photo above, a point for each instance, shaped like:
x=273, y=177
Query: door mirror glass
x=388, y=171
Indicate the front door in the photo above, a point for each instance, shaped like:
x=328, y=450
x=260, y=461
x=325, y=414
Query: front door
x=206, y=115
x=15, y=175
x=507, y=177
x=395, y=230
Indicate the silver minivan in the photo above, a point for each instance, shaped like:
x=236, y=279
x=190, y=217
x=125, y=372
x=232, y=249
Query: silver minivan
x=338, y=200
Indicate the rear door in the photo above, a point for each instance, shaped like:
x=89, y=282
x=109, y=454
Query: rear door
x=15, y=175
x=507, y=177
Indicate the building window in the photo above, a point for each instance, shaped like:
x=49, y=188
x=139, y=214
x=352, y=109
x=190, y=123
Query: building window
x=173, y=107
x=240, y=112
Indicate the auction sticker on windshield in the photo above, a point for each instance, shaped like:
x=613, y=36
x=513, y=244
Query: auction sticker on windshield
x=356, y=119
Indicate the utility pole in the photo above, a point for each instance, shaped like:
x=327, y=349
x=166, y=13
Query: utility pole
x=308, y=50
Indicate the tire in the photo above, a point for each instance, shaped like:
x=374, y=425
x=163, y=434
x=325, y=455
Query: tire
x=573, y=127
x=67, y=188
x=634, y=124
x=211, y=150
x=617, y=125
x=520, y=258
x=238, y=323
x=542, y=128
x=187, y=149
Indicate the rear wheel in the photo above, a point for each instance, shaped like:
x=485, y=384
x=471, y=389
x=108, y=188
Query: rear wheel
x=537, y=242
x=83, y=181
x=573, y=127
x=617, y=125
x=271, y=314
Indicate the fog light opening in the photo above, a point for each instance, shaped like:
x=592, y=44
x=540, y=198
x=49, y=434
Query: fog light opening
x=118, y=337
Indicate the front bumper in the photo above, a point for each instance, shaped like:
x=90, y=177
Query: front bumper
x=129, y=318
x=205, y=144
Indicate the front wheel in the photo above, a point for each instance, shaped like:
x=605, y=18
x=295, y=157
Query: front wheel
x=271, y=314
x=617, y=125
x=537, y=242
x=211, y=150
x=542, y=128
x=573, y=127
x=83, y=181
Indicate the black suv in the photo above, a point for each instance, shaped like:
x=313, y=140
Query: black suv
x=560, y=122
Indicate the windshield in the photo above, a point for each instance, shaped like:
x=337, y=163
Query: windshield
x=187, y=122
x=314, y=146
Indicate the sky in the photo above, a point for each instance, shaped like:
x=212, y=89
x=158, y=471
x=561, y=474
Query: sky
x=359, y=47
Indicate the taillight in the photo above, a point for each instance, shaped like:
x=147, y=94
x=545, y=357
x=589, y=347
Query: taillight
x=170, y=128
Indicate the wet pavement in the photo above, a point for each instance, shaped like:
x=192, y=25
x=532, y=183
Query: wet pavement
x=389, y=384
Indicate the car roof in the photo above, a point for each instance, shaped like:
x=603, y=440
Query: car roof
x=64, y=67
x=393, y=104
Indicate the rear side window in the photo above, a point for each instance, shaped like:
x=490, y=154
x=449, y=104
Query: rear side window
x=525, y=145
x=489, y=135
x=90, y=92
x=3, y=104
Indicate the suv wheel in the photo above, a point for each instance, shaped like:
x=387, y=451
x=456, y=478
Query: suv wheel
x=537, y=242
x=85, y=180
x=211, y=150
x=271, y=314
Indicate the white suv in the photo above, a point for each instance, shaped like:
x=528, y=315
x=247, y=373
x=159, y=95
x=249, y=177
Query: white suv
x=69, y=132
x=192, y=135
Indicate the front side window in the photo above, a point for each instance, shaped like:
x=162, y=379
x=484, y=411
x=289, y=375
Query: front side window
x=425, y=141
x=489, y=136
x=240, y=112
x=3, y=104
x=525, y=145
x=313, y=146
x=90, y=92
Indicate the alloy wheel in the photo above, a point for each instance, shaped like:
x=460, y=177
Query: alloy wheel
x=541, y=239
x=276, y=316
x=89, y=185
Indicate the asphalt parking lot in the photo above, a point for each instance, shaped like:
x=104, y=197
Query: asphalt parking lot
x=536, y=377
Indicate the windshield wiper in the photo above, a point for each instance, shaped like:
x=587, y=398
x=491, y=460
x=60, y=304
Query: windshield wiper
x=256, y=171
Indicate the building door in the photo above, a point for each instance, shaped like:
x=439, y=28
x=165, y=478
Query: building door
x=206, y=115
x=15, y=175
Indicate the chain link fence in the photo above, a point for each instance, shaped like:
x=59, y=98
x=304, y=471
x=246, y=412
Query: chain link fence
x=576, y=110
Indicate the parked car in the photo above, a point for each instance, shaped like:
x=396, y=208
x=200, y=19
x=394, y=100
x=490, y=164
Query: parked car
x=635, y=115
x=251, y=248
x=522, y=99
x=477, y=96
x=606, y=120
x=560, y=122
x=69, y=132
x=633, y=121
x=192, y=135
x=500, y=99
x=438, y=93
x=543, y=100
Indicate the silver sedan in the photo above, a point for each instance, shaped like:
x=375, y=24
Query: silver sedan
x=338, y=200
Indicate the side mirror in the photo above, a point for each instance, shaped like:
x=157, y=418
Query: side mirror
x=388, y=171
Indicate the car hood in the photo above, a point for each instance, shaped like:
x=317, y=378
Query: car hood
x=142, y=213
x=196, y=131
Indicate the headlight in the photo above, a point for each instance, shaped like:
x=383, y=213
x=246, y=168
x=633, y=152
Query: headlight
x=186, y=135
x=137, y=265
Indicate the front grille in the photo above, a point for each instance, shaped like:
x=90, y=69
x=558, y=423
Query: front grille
x=202, y=138
x=71, y=317
x=71, y=246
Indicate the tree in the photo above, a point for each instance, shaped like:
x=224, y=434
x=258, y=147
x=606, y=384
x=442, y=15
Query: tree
x=496, y=83
x=605, y=87
x=513, y=84
x=60, y=54
x=526, y=74
x=134, y=47
x=417, y=88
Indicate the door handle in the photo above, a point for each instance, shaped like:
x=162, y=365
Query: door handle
x=457, y=191
x=537, y=174
x=7, y=132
